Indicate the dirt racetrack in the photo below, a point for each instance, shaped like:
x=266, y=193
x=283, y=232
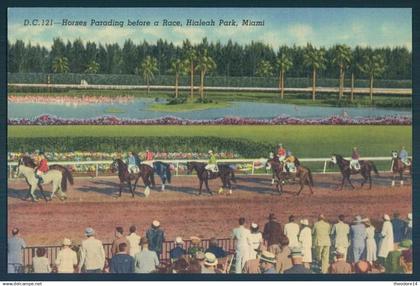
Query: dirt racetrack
x=92, y=202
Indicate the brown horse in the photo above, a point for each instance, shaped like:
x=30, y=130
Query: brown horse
x=304, y=175
x=225, y=173
x=398, y=168
x=366, y=167
x=146, y=173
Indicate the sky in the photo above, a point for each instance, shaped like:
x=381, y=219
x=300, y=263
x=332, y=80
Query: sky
x=375, y=27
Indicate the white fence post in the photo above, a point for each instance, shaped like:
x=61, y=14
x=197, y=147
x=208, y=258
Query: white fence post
x=325, y=167
x=253, y=167
x=97, y=170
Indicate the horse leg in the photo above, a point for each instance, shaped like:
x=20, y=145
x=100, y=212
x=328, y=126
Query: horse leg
x=135, y=183
x=339, y=188
x=348, y=179
x=32, y=193
x=121, y=186
x=364, y=180
x=131, y=188
x=301, y=187
x=401, y=178
x=370, y=181
x=201, y=186
x=272, y=179
x=207, y=186
x=42, y=192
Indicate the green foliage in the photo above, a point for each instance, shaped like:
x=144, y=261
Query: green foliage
x=92, y=68
x=264, y=69
x=61, y=65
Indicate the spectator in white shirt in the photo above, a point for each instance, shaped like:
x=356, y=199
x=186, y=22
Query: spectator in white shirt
x=134, y=240
x=340, y=233
x=41, y=263
x=92, y=252
x=291, y=230
x=241, y=235
x=66, y=260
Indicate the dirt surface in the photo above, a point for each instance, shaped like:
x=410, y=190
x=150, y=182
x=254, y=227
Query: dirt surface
x=182, y=212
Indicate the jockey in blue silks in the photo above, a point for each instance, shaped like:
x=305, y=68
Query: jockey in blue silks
x=403, y=155
x=133, y=164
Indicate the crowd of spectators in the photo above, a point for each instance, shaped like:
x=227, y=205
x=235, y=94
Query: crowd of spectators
x=47, y=119
x=70, y=100
x=336, y=247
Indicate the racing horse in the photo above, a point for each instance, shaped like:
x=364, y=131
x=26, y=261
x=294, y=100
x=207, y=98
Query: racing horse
x=366, y=168
x=304, y=174
x=398, y=168
x=66, y=173
x=52, y=176
x=225, y=173
x=164, y=172
x=145, y=172
x=276, y=159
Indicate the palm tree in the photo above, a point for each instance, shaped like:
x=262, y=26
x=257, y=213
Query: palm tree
x=178, y=67
x=373, y=65
x=191, y=58
x=264, y=69
x=60, y=65
x=284, y=63
x=148, y=68
x=92, y=68
x=342, y=57
x=314, y=59
x=204, y=64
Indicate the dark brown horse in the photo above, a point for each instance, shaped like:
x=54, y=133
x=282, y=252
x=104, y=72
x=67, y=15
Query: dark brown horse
x=366, y=167
x=304, y=175
x=146, y=173
x=67, y=175
x=225, y=173
x=398, y=168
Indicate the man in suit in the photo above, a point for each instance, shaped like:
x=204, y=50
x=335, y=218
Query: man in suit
x=272, y=231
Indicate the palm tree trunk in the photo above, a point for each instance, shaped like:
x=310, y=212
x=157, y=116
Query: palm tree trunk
x=176, y=85
x=371, y=88
x=282, y=85
x=148, y=87
x=339, y=84
x=202, y=85
x=313, y=83
x=280, y=78
x=352, y=87
x=192, y=81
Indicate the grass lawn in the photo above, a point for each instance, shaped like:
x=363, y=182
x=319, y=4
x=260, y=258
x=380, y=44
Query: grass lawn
x=304, y=141
x=190, y=106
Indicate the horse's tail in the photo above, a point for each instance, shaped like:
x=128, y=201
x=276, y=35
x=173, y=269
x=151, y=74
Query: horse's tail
x=69, y=175
x=311, y=179
x=168, y=173
x=152, y=177
x=374, y=168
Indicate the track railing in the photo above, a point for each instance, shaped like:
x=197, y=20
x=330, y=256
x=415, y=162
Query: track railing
x=249, y=166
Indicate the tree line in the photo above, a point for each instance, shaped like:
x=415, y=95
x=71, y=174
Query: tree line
x=230, y=59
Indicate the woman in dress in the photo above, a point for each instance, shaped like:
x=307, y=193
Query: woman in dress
x=305, y=239
x=387, y=240
x=370, y=242
x=255, y=241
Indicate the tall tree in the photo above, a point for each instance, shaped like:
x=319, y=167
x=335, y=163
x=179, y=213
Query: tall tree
x=191, y=56
x=342, y=57
x=204, y=64
x=92, y=68
x=148, y=69
x=178, y=67
x=315, y=60
x=264, y=69
x=373, y=66
x=284, y=63
x=61, y=65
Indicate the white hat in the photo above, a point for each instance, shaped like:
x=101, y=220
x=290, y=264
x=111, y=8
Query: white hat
x=178, y=240
x=66, y=241
x=210, y=259
x=304, y=221
x=410, y=216
x=358, y=219
x=254, y=225
x=156, y=223
x=386, y=217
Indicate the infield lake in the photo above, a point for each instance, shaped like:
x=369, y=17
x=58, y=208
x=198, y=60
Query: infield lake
x=141, y=108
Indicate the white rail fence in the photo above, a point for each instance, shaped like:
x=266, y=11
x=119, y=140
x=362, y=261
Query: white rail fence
x=251, y=170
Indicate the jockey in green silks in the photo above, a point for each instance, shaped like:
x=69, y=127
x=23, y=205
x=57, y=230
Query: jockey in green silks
x=212, y=163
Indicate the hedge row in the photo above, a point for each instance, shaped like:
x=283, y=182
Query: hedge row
x=241, y=147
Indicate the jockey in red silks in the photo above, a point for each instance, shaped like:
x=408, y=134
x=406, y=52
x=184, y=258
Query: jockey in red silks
x=281, y=152
x=149, y=158
x=42, y=167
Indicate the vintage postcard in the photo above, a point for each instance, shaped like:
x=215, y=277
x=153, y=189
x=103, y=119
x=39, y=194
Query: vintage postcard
x=221, y=141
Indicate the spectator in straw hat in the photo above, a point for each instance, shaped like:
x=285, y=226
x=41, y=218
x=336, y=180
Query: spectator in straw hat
x=66, y=260
x=386, y=243
x=268, y=263
x=252, y=266
x=340, y=233
x=358, y=238
x=291, y=230
x=321, y=233
x=134, y=240
x=305, y=240
x=92, y=253
x=40, y=262
x=178, y=251
x=215, y=248
x=146, y=260
x=255, y=241
x=119, y=238
x=340, y=266
x=272, y=231
x=297, y=268
x=122, y=262
x=155, y=236
x=195, y=246
x=210, y=263
x=371, y=248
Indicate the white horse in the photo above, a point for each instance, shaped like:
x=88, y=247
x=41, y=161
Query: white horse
x=53, y=176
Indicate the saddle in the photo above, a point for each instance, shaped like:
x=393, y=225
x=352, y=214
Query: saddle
x=134, y=170
x=291, y=167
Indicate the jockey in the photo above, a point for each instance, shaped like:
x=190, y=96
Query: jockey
x=403, y=155
x=355, y=157
x=132, y=163
x=212, y=164
x=281, y=152
x=42, y=167
x=35, y=156
x=290, y=161
x=149, y=157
